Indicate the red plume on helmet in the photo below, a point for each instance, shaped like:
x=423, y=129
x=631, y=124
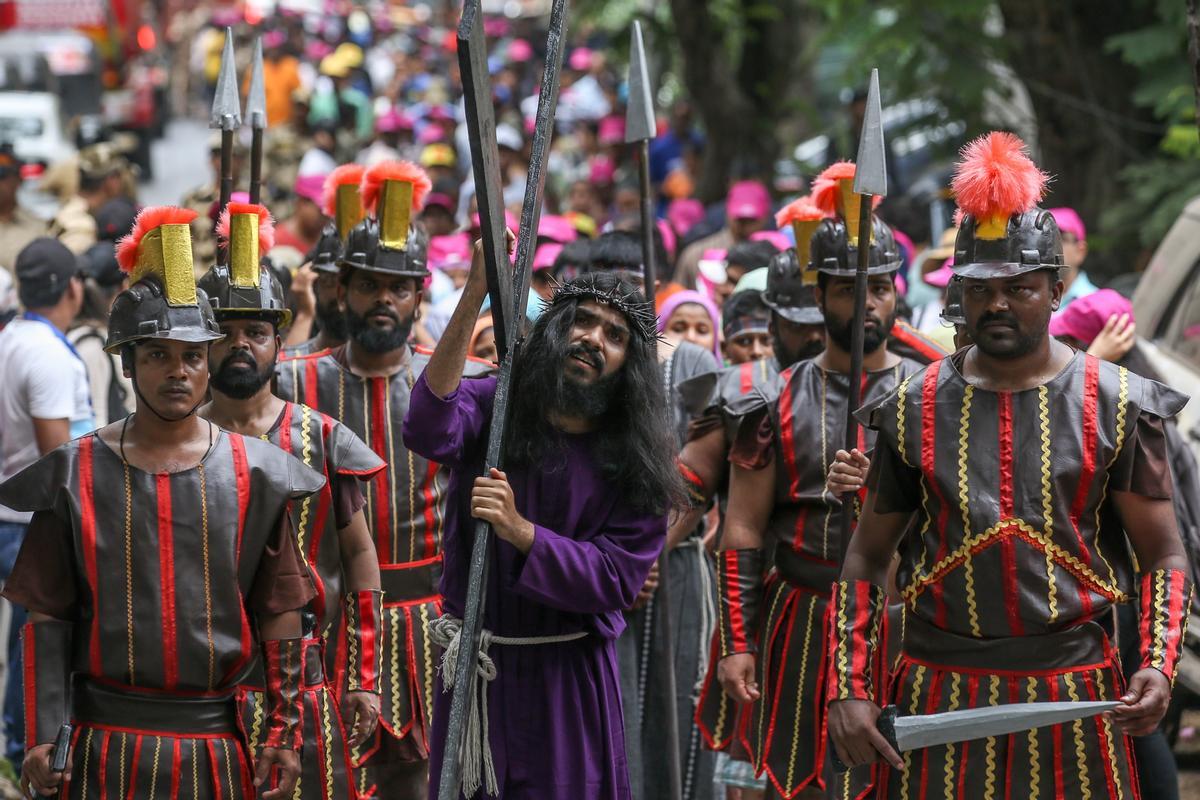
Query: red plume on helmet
x=266, y=224
x=345, y=175
x=996, y=178
x=406, y=171
x=801, y=210
x=147, y=220
x=825, y=187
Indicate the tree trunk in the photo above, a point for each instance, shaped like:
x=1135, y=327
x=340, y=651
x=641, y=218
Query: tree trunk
x=1089, y=128
x=743, y=79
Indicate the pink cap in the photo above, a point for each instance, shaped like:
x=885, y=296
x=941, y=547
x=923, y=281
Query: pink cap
x=431, y=134
x=685, y=213
x=450, y=252
x=683, y=298
x=670, y=240
x=611, y=130
x=509, y=221
x=940, y=277
x=557, y=229
x=748, y=200
x=439, y=113
x=1069, y=222
x=603, y=171
x=316, y=49
x=580, y=59
x=441, y=200
x=393, y=120
x=546, y=255
x=520, y=51
x=310, y=187
x=1086, y=316
x=781, y=241
x=274, y=39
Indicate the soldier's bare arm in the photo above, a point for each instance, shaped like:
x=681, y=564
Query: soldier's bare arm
x=702, y=461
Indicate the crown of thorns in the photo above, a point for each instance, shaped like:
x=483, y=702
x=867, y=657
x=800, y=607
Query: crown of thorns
x=628, y=301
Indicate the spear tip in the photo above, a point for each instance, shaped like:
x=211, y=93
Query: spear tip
x=256, y=98
x=870, y=176
x=226, y=107
x=639, y=118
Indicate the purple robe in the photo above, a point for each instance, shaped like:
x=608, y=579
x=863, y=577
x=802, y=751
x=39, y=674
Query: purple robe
x=554, y=710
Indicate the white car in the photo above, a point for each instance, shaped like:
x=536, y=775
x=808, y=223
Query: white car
x=32, y=122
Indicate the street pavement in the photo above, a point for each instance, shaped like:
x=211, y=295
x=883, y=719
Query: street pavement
x=180, y=163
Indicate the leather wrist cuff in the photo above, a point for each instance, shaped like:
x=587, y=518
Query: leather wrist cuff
x=283, y=660
x=857, y=612
x=739, y=587
x=47, y=669
x=1166, y=598
x=364, y=634
x=697, y=494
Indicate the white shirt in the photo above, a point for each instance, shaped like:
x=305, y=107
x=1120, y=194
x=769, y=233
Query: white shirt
x=39, y=378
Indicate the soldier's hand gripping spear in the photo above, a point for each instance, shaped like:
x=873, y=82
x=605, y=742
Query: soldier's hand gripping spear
x=870, y=181
x=640, y=130
x=509, y=292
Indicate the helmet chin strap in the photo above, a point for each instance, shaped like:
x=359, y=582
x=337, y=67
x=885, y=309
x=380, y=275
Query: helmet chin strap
x=138, y=390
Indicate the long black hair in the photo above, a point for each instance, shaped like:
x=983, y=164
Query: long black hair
x=634, y=441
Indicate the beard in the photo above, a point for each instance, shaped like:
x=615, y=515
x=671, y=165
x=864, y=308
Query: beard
x=841, y=332
x=332, y=321
x=1021, y=343
x=588, y=400
x=241, y=384
x=378, y=340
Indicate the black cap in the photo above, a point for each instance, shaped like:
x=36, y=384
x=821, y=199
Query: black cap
x=114, y=219
x=100, y=264
x=44, y=270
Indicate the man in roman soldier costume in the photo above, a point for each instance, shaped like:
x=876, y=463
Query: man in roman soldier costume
x=160, y=564
x=771, y=632
x=786, y=312
x=343, y=204
x=366, y=385
x=330, y=527
x=1012, y=478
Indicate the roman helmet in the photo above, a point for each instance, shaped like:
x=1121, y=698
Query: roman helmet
x=245, y=287
x=387, y=241
x=835, y=244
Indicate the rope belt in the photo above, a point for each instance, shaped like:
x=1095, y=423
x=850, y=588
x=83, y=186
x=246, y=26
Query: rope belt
x=478, y=768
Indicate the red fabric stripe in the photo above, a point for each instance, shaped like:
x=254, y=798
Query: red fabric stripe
x=928, y=467
x=427, y=494
x=87, y=514
x=926, y=348
x=133, y=768
x=318, y=727
x=212, y=766
x=382, y=496
x=241, y=472
x=176, y=759
x=1102, y=735
x=102, y=777
x=737, y=622
x=972, y=700
x=310, y=383
x=1008, y=547
x=801, y=527
x=1146, y=617
x=1057, y=733
x=931, y=704
x=166, y=568
x=785, y=618
x=285, y=429
x=746, y=377
x=368, y=639
x=29, y=662
x=787, y=434
x=859, y=631
x=1090, y=442
x=244, y=772
x=324, y=501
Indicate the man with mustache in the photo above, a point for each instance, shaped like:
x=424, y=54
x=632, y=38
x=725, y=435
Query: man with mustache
x=1014, y=478
x=341, y=660
x=579, y=516
x=366, y=384
x=787, y=318
x=160, y=550
x=770, y=632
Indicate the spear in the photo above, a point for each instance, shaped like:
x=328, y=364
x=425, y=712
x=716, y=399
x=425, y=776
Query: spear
x=227, y=118
x=256, y=110
x=870, y=181
x=509, y=295
x=640, y=128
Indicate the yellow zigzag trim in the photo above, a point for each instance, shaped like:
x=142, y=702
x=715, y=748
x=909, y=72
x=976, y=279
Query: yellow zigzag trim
x=762, y=709
x=1035, y=758
x=989, y=787
x=1047, y=504
x=901, y=396
x=1003, y=529
x=1085, y=786
x=965, y=508
x=306, y=456
x=954, y=687
x=327, y=735
x=1118, y=446
x=1108, y=736
x=1160, y=611
x=796, y=733
x=913, y=705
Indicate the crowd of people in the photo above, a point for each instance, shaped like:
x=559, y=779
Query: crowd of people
x=281, y=616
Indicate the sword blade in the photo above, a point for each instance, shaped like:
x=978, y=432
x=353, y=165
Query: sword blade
x=930, y=730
